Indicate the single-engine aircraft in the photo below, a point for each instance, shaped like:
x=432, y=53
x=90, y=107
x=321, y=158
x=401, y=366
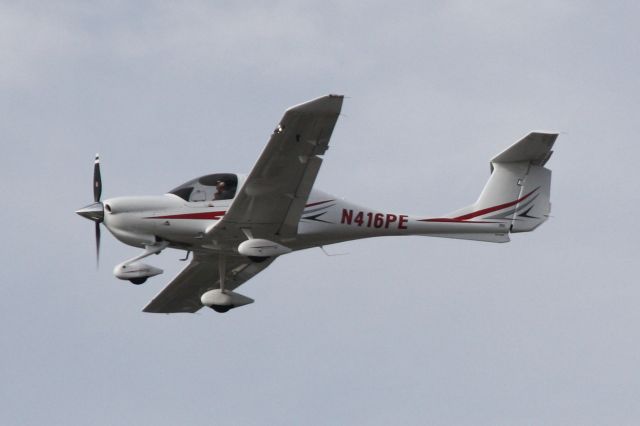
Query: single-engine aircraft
x=236, y=225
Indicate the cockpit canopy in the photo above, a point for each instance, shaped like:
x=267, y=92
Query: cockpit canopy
x=218, y=186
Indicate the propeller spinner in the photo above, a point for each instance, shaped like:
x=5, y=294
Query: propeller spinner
x=95, y=211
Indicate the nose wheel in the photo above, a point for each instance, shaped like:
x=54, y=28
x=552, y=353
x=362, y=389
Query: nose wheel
x=136, y=272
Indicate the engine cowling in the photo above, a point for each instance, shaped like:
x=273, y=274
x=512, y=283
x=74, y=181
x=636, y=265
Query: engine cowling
x=136, y=272
x=258, y=247
x=222, y=301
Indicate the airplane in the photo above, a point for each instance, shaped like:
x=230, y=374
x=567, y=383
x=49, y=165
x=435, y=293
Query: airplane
x=236, y=225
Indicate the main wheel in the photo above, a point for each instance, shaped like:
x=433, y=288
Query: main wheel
x=138, y=281
x=221, y=308
x=257, y=259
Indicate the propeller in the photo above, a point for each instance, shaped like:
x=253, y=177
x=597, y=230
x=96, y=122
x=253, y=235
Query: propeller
x=95, y=211
x=97, y=193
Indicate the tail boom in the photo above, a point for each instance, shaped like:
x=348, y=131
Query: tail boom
x=515, y=199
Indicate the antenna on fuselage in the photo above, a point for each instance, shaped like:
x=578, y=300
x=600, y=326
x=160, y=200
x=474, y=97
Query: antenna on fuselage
x=331, y=255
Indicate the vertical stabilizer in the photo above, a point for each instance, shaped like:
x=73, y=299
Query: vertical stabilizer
x=518, y=190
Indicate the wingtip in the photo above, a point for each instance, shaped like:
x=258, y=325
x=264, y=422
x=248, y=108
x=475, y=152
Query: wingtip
x=545, y=132
x=331, y=103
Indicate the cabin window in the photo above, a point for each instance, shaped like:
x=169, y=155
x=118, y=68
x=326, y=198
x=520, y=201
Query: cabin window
x=219, y=186
x=183, y=192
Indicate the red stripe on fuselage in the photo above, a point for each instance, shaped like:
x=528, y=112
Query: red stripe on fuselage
x=448, y=219
x=471, y=215
x=203, y=215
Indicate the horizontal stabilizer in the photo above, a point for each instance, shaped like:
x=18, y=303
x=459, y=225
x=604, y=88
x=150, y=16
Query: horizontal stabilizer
x=534, y=148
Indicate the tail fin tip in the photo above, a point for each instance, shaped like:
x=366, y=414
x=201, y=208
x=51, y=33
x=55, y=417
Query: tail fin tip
x=535, y=148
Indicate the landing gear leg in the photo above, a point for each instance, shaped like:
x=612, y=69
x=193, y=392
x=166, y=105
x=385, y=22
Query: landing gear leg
x=222, y=273
x=149, y=250
x=222, y=270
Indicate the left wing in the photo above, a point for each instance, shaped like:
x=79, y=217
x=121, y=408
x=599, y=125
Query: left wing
x=201, y=275
x=272, y=199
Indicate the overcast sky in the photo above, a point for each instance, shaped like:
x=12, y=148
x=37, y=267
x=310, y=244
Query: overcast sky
x=543, y=330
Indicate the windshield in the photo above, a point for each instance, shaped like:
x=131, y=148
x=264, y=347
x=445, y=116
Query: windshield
x=219, y=186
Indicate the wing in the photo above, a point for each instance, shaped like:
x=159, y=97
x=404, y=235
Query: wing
x=273, y=197
x=201, y=275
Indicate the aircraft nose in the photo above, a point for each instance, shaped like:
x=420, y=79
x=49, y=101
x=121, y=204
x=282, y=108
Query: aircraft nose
x=94, y=212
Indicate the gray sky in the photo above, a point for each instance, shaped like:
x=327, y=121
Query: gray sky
x=542, y=330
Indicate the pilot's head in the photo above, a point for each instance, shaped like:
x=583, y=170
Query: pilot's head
x=220, y=186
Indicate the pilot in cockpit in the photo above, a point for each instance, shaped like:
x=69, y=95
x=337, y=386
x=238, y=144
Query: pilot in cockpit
x=222, y=193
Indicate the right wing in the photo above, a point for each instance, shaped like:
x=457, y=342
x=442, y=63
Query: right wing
x=201, y=275
x=275, y=193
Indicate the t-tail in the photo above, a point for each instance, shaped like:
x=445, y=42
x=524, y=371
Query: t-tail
x=517, y=193
x=515, y=199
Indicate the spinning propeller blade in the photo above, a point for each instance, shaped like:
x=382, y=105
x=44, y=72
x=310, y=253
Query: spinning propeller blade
x=97, y=244
x=97, y=180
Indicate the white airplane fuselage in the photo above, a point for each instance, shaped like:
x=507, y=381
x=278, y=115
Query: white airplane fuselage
x=145, y=220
